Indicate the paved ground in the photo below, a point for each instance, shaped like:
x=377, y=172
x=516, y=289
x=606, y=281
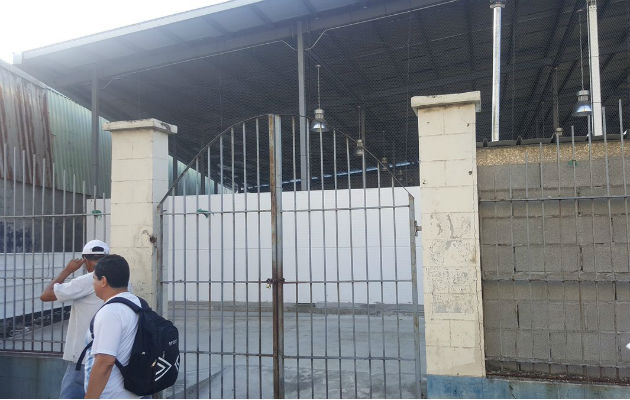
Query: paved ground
x=237, y=375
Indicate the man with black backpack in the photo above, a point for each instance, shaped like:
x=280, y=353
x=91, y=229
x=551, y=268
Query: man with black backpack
x=133, y=351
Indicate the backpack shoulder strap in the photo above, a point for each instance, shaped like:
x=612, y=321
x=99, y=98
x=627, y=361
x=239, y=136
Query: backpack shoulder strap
x=126, y=302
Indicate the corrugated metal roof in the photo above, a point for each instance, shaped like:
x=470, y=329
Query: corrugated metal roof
x=71, y=126
x=49, y=129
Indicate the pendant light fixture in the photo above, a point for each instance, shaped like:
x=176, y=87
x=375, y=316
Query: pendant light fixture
x=583, y=107
x=319, y=124
x=359, y=151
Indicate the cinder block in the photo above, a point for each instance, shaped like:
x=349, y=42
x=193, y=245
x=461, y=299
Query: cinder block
x=621, y=228
x=525, y=315
x=573, y=321
x=605, y=291
x=552, y=258
x=608, y=348
x=556, y=316
x=620, y=259
x=541, y=316
x=541, y=345
x=529, y=259
x=524, y=344
x=570, y=258
x=492, y=342
x=622, y=316
x=527, y=230
x=489, y=232
x=574, y=346
x=558, y=343
x=508, y=343
x=591, y=316
x=606, y=316
x=622, y=291
x=603, y=258
x=491, y=312
x=490, y=290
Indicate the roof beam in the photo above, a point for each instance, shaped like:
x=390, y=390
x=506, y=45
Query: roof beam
x=178, y=53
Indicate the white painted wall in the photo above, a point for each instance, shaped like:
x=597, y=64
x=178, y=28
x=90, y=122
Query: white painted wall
x=244, y=255
x=244, y=252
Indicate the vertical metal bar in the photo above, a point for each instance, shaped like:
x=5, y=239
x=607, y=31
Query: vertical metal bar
x=304, y=181
x=337, y=260
x=367, y=267
x=222, y=256
x=321, y=174
x=259, y=258
x=620, y=118
x=95, y=128
x=63, y=243
x=260, y=392
x=42, y=248
x=246, y=216
x=185, y=266
x=354, y=325
x=173, y=248
x=197, y=274
x=210, y=214
x=234, y=190
x=275, y=185
x=380, y=264
x=310, y=273
x=4, y=242
x=33, y=188
x=414, y=293
x=14, y=245
x=395, y=233
x=295, y=244
x=52, y=251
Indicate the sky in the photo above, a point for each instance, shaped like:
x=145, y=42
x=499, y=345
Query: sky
x=29, y=24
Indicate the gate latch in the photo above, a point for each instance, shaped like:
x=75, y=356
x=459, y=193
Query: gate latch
x=418, y=228
x=271, y=281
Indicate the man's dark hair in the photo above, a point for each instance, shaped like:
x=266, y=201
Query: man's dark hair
x=93, y=257
x=115, y=268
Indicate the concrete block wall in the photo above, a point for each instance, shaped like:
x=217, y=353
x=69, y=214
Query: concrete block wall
x=556, y=273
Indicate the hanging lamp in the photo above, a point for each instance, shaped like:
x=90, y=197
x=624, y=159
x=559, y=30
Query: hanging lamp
x=583, y=106
x=319, y=124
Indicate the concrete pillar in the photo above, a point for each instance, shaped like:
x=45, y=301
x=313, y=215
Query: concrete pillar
x=139, y=181
x=450, y=234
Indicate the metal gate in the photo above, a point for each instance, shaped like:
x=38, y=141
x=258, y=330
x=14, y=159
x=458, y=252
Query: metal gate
x=282, y=292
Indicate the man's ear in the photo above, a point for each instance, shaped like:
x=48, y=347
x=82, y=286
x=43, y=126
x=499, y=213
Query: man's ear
x=103, y=281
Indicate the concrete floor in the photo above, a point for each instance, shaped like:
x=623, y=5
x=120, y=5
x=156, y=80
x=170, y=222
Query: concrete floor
x=241, y=376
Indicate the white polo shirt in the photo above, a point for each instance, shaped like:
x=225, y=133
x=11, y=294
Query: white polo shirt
x=80, y=292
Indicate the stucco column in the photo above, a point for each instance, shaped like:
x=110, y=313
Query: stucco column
x=139, y=181
x=450, y=234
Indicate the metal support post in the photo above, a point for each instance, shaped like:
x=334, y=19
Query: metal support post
x=556, y=118
x=593, y=46
x=277, y=280
x=95, y=131
x=497, y=7
x=304, y=181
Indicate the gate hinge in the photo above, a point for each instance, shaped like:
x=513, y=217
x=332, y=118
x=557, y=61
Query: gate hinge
x=271, y=281
x=417, y=227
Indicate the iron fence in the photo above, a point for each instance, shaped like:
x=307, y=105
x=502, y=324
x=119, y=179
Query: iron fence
x=42, y=227
x=285, y=292
x=556, y=257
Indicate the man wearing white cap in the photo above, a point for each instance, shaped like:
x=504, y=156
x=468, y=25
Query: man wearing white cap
x=80, y=292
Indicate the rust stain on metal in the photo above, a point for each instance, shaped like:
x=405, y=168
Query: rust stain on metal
x=25, y=127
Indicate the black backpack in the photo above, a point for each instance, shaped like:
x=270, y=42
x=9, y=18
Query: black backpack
x=154, y=361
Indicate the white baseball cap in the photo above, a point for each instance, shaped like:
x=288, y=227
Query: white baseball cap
x=95, y=247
